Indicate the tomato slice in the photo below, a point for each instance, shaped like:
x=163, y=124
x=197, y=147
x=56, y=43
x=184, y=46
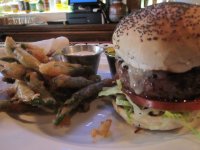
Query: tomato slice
x=173, y=106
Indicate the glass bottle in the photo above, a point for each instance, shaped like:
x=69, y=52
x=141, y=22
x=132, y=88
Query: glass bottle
x=33, y=5
x=64, y=5
x=40, y=6
x=14, y=7
x=117, y=10
x=58, y=5
x=21, y=5
x=46, y=5
x=27, y=6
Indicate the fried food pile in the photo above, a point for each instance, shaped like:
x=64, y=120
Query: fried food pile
x=40, y=82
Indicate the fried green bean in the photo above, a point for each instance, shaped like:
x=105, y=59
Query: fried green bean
x=56, y=68
x=82, y=71
x=79, y=97
x=94, y=78
x=8, y=106
x=12, y=70
x=38, y=86
x=36, y=51
x=64, y=81
x=21, y=55
x=4, y=104
x=10, y=45
x=26, y=95
x=26, y=59
x=9, y=59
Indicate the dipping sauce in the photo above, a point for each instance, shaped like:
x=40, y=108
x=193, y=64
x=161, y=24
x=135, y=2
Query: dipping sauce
x=82, y=53
x=86, y=55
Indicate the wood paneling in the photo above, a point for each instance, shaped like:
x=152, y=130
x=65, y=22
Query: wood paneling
x=75, y=33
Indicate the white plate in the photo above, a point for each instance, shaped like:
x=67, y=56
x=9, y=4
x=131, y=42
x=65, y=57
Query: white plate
x=39, y=133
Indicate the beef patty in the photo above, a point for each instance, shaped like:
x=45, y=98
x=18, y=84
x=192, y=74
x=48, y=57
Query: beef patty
x=160, y=85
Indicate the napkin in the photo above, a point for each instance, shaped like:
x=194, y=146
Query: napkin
x=52, y=45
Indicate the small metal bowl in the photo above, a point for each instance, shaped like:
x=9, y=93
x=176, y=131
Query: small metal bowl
x=91, y=60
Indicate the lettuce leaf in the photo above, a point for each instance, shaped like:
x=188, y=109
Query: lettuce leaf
x=122, y=101
x=107, y=91
x=184, y=119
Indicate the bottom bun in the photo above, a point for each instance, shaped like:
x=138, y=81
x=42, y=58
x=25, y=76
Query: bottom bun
x=147, y=121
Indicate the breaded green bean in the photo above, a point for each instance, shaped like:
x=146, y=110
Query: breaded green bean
x=38, y=86
x=64, y=81
x=12, y=70
x=79, y=97
x=25, y=94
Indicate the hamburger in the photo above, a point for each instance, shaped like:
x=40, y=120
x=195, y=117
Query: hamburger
x=158, y=65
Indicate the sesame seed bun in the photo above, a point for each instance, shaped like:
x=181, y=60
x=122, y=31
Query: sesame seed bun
x=164, y=36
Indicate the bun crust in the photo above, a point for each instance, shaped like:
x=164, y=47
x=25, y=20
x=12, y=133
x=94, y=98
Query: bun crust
x=165, y=37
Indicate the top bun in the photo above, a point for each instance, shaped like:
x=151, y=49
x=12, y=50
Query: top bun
x=164, y=36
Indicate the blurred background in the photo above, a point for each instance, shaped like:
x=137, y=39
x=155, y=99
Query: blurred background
x=34, y=6
x=101, y=16
x=42, y=11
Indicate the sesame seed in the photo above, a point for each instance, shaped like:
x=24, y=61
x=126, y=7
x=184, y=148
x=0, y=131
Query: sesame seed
x=153, y=22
